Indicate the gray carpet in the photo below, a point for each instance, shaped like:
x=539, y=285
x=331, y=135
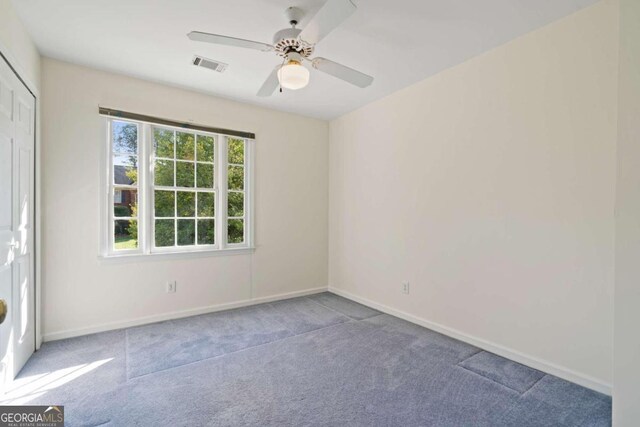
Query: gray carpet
x=317, y=361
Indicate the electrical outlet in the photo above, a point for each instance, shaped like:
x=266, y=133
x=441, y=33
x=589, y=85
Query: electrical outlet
x=405, y=287
x=171, y=287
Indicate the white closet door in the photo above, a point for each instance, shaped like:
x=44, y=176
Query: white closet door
x=17, y=162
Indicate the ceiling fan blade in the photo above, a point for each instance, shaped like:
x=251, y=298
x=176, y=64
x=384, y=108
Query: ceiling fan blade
x=228, y=41
x=271, y=84
x=342, y=72
x=332, y=14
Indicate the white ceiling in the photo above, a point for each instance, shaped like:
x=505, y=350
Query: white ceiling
x=398, y=42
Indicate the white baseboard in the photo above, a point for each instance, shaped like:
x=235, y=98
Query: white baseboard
x=70, y=333
x=533, y=362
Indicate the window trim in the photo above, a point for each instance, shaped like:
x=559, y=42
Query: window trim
x=146, y=219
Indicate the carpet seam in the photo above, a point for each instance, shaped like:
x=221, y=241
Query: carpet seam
x=332, y=309
x=101, y=424
x=521, y=393
x=493, y=381
x=244, y=349
x=534, y=384
x=273, y=305
x=343, y=314
x=469, y=357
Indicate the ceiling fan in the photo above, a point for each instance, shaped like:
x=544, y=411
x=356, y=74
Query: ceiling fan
x=295, y=46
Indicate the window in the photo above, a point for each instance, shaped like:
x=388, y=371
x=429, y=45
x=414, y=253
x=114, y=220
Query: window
x=175, y=190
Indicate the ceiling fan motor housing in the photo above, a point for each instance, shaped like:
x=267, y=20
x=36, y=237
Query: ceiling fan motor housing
x=286, y=41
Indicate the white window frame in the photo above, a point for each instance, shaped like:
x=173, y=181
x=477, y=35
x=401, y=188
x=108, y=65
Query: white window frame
x=146, y=218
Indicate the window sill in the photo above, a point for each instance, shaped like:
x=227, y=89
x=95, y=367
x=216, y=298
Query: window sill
x=163, y=256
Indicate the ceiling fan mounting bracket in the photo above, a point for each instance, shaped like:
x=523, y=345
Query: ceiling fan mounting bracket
x=294, y=15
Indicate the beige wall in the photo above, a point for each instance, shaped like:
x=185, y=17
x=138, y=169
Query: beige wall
x=16, y=45
x=490, y=187
x=291, y=195
x=626, y=397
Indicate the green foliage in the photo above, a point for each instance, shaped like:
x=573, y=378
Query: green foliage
x=119, y=211
x=206, y=204
x=235, y=204
x=125, y=242
x=186, y=232
x=125, y=138
x=120, y=227
x=205, y=148
x=186, y=203
x=132, y=171
x=204, y=175
x=125, y=143
x=164, y=203
x=206, y=231
x=235, y=231
x=185, y=174
x=163, y=143
x=185, y=146
x=133, y=224
x=236, y=151
x=164, y=172
x=189, y=158
x=126, y=233
x=236, y=177
x=164, y=235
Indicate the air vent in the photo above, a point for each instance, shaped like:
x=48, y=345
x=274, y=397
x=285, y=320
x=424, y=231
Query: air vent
x=218, y=66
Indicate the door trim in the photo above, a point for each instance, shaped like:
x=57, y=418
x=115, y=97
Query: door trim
x=18, y=70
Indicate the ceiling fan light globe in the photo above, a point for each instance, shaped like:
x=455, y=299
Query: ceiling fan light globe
x=293, y=76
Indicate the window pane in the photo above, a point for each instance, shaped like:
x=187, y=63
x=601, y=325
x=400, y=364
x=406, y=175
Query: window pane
x=165, y=232
x=125, y=234
x=185, y=174
x=164, y=173
x=125, y=202
x=235, y=231
x=163, y=143
x=186, y=203
x=185, y=146
x=206, y=202
x=164, y=203
x=236, y=204
x=186, y=232
x=204, y=175
x=125, y=169
x=125, y=137
x=206, y=231
x=205, y=148
x=236, y=178
x=236, y=151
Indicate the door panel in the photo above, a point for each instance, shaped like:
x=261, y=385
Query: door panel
x=24, y=207
x=25, y=115
x=6, y=169
x=6, y=101
x=6, y=337
x=23, y=289
x=23, y=302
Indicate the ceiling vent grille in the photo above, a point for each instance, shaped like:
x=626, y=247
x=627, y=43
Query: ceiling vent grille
x=200, y=61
